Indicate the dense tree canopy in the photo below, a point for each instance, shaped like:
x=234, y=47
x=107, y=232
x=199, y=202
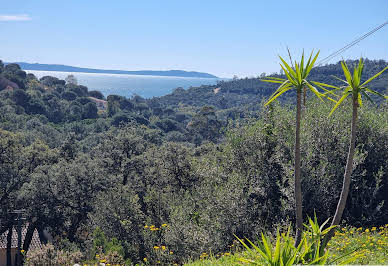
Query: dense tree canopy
x=185, y=171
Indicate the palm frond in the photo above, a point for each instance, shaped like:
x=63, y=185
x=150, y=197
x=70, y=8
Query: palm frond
x=375, y=76
x=339, y=102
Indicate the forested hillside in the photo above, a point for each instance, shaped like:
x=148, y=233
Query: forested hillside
x=250, y=91
x=166, y=179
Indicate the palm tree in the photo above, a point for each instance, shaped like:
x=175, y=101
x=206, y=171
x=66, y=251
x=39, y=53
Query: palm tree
x=354, y=88
x=297, y=80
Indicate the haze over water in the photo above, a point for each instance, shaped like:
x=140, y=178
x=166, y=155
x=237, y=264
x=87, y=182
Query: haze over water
x=129, y=85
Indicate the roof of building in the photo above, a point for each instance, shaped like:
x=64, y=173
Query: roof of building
x=35, y=242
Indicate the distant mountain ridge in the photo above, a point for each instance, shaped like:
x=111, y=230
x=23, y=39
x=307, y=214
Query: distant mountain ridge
x=65, y=68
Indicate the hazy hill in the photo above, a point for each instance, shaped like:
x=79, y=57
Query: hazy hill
x=64, y=68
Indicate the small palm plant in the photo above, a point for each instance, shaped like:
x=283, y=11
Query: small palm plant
x=356, y=90
x=284, y=253
x=297, y=79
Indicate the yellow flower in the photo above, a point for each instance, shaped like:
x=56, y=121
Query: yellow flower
x=164, y=247
x=164, y=225
x=226, y=253
x=156, y=247
x=367, y=230
x=102, y=261
x=145, y=259
x=171, y=252
x=146, y=226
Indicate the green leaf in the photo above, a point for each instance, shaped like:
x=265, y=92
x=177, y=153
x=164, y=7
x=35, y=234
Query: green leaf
x=347, y=74
x=339, y=102
x=298, y=74
x=281, y=88
x=356, y=74
x=307, y=65
x=288, y=67
x=315, y=91
x=290, y=78
x=261, y=252
x=274, y=78
x=327, y=92
x=272, y=81
x=324, y=232
x=277, y=247
x=367, y=96
x=324, y=223
x=277, y=95
x=324, y=85
x=344, y=81
x=375, y=76
x=373, y=91
x=312, y=64
x=266, y=244
x=289, y=55
x=301, y=64
x=246, y=246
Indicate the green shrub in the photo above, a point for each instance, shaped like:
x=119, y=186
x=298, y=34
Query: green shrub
x=49, y=255
x=283, y=252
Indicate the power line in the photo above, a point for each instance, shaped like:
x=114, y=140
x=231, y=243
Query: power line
x=328, y=58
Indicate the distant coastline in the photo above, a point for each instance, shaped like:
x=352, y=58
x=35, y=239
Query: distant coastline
x=65, y=68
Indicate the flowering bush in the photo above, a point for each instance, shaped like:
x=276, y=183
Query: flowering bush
x=49, y=255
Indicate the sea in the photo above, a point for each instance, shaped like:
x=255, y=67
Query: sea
x=129, y=85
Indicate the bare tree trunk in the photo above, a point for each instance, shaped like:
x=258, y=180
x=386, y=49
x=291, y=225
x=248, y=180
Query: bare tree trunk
x=9, y=246
x=347, y=176
x=298, y=186
x=28, y=238
x=42, y=236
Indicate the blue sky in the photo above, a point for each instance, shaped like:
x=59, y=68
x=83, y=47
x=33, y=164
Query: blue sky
x=224, y=38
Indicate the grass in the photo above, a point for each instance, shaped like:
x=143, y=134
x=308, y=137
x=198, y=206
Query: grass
x=369, y=246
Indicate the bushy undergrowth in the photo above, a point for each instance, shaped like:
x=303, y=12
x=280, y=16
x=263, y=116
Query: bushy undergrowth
x=246, y=184
x=207, y=194
x=49, y=255
x=366, y=246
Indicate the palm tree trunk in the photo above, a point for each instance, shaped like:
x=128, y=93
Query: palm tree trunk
x=297, y=185
x=347, y=176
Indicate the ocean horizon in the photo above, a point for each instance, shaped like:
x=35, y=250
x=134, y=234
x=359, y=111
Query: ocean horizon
x=146, y=86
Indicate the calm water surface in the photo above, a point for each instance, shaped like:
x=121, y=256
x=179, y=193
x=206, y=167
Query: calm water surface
x=128, y=85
